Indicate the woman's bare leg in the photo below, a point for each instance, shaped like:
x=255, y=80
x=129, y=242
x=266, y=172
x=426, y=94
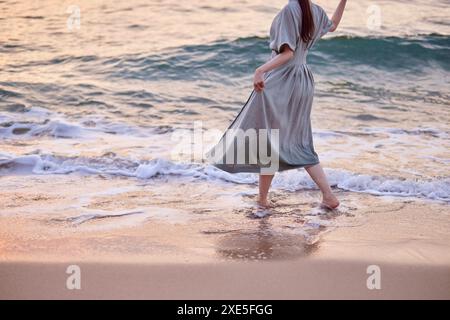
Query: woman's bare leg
x=264, y=185
x=318, y=175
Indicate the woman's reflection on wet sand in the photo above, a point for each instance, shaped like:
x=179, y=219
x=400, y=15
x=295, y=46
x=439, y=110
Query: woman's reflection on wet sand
x=263, y=243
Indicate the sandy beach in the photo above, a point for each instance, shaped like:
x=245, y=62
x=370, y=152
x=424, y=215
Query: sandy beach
x=107, y=109
x=215, y=256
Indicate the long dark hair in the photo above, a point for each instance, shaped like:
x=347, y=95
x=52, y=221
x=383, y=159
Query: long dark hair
x=307, y=21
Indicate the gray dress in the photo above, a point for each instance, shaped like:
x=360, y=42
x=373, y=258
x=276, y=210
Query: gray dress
x=284, y=104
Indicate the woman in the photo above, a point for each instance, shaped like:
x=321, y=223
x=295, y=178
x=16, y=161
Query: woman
x=281, y=102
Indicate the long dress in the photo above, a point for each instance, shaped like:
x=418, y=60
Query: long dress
x=279, y=116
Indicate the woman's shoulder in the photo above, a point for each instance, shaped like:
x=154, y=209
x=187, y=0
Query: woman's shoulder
x=290, y=10
x=292, y=6
x=317, y=9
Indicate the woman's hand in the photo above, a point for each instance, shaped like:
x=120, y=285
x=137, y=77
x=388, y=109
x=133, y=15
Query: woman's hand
x=258, y=80
x=277, y=61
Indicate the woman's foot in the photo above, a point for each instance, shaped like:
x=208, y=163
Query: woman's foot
x=263, y=208
x=265, y=204
x=330, y=201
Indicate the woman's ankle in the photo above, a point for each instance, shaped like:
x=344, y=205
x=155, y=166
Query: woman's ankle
x=263, y=201
x=328, y=195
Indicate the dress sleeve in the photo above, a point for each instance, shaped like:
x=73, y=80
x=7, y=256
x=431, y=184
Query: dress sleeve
x=325, y=23
x=284, y=30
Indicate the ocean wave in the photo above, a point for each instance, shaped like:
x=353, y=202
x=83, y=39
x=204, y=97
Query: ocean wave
x=386, y=53
x=365, y=66
x=53, y=128
x=294, y=180
x=242, y=55
x=430, y=132
x=39, y=122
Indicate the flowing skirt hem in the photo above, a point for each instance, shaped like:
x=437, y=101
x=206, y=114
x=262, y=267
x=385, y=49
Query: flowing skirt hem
x=240, y=168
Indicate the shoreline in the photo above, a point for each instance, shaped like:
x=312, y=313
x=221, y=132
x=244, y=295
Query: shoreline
x=215, y=250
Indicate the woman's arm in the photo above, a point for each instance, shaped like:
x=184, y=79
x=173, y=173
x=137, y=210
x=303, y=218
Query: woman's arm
x=280, y=59
x=337, y=16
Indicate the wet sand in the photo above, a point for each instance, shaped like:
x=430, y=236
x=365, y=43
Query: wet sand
x=303, y=279
x=166, y=239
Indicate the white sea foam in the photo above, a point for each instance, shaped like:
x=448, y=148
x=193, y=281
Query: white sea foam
x=128, y=218
x=59, y=128
x=293, y=180
x=414, y=131
x=37, y=122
